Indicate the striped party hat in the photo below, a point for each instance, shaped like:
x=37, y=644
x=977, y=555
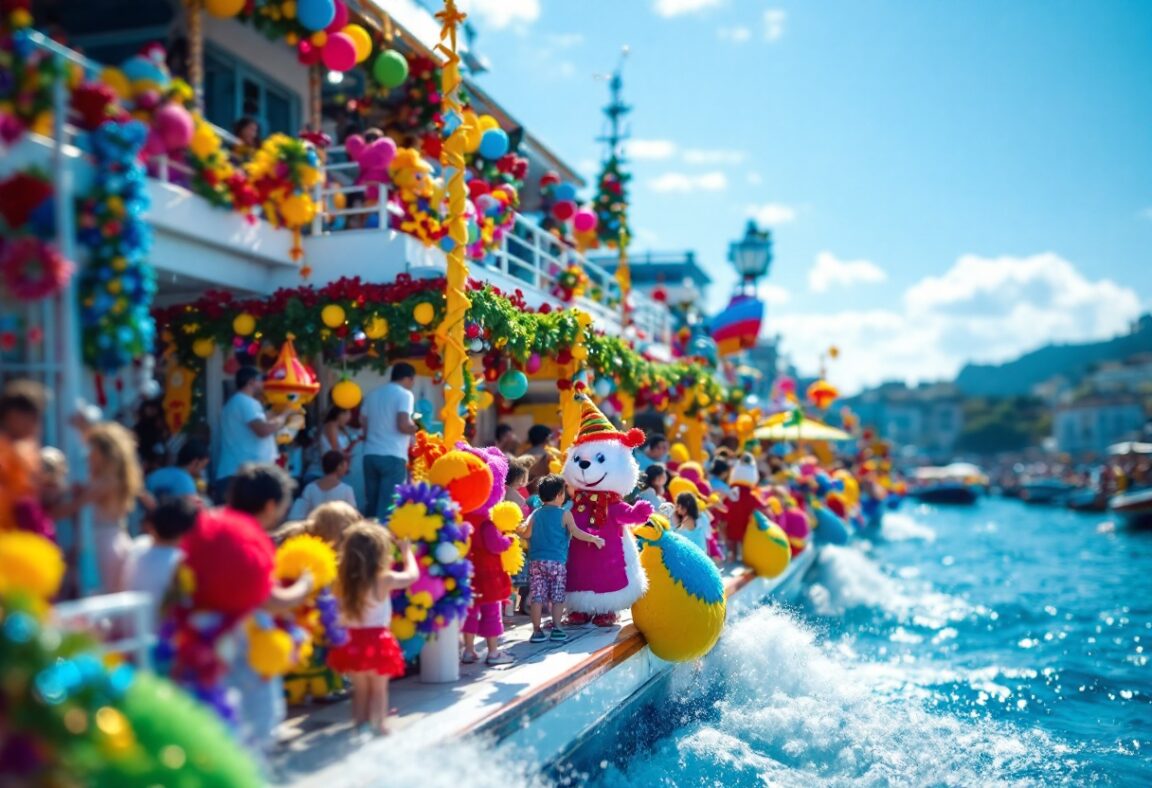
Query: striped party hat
x=594, y=426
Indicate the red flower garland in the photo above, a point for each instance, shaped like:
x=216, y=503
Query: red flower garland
x=33, y=269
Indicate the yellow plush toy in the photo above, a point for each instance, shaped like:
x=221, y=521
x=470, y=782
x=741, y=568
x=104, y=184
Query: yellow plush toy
x=507, y=516
x=683, y=612
x=766, y=547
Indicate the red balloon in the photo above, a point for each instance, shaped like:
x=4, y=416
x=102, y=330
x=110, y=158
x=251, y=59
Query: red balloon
x=563, y=210
x=476, y=187
x=549, y=178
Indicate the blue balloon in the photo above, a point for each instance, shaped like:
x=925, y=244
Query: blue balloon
x=447, y=244
x=43, y=218
x=493, y=144
x=315, y=14
x=564, y=192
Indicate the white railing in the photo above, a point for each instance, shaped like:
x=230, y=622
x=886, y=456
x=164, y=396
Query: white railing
x=122, y=623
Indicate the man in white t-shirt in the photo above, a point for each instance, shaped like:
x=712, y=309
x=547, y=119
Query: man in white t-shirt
x=246, y=433
x=386, y=416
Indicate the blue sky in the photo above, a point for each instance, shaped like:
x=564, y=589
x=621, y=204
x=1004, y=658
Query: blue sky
x=946, y=180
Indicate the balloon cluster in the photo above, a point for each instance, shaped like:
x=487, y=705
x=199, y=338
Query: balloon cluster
x=493, y=216
x=68, y=719
x=283, y=172
x=418, y=194
x=118, y=284
x=427, y=515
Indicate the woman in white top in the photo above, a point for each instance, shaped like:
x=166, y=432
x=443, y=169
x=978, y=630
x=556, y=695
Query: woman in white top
x=329, y=487
x=334, y=436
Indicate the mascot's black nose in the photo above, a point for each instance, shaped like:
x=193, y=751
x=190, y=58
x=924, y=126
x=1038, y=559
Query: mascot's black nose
x=584, y=464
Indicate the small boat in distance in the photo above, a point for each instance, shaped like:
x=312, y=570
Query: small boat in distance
x=1133, y=508
x=958, y=484
x=1046, y=491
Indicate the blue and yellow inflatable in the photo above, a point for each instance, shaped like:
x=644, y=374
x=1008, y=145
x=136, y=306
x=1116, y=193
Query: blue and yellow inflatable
x=682, y=615
x=766, y=547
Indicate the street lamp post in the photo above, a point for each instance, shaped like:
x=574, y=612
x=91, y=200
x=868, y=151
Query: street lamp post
x=751, y=256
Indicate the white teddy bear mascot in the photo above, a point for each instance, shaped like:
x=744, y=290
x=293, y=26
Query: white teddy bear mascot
x=601, y=470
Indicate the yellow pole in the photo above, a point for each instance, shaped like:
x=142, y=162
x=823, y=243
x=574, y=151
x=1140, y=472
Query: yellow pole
x=450, y=332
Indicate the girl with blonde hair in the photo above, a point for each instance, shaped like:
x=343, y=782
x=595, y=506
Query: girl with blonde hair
x=115, y=482
x=371, y=657
x=330, y=520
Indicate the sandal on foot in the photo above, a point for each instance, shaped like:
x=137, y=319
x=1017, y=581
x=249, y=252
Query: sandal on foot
x=500, y=658
x=538, y=637
x=469, y=659
x=559, y=635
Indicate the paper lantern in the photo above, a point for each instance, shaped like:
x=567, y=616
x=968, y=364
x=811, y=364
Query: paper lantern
x=390, y=68
x=315, y=14
x=224, y=9
x=339, y=52
x=424, y=313
x=377, y=328
x=203, y=347
x=346, y=394
x=513, y=384
x=361, y=39
x=332, y=315
x=243, y=324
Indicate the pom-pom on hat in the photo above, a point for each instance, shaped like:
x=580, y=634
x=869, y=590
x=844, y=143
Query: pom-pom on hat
x=594, y=426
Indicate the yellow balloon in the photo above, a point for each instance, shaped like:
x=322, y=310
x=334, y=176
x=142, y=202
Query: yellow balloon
x=224, y=8
x=332, y=315
x=488, y=122
x=115, y=78
x=361, y=40
x=204, y=141
x=377, y=328
x=243, y=324
x=339, y=201
x=297, y=210
x=346, y=394
x=424, y=313
x=203, y=347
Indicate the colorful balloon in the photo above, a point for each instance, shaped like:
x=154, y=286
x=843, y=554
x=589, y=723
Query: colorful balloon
x=340, y=52
x=390, y=68
x=361, y=39
x=563, y=210
x=315, y=14
x=565, y=192
x=513, y=384
x=493, y=144
x=584, y=221
x=224, y=9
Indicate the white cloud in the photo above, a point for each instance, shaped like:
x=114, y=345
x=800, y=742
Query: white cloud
x=566, y=69
x=754, y=178
x=680, y=182
x=774, y=19
x=981, y=309
x=712, y=156
x=770, y=214
x=773, y=295
x=830, y=271
x=503, y=13
x=650, y=149
x=678, y=7
x=736, y=35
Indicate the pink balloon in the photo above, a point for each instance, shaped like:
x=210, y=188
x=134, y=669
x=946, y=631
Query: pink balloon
x=307, y=54
x=174, y=125
x=340, y=52
x=340, y=21
x=584, y=220
x=533, y=364
x=433, y=585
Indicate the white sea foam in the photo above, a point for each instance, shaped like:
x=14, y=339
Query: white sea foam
x=849, y=579
x=793, y=713
x=903, y=527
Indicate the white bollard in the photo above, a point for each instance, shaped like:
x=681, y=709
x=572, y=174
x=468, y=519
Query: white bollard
x=440, y=657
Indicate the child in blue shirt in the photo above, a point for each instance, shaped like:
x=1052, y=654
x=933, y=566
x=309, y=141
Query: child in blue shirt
x=548, y=531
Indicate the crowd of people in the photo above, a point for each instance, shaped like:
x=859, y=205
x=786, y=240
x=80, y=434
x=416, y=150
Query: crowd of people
x=144, y=514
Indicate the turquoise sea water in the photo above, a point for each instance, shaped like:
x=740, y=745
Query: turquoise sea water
x=999, y=644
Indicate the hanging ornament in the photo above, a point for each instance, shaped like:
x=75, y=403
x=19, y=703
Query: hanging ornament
x=513, y=384
x=332, y=315
x=243, y=324
x=390, y=68
x=346, y=394
x=424, y=313
x=203, y=347
x=377, y=328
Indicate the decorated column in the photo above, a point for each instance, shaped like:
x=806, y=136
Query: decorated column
x=450, y=333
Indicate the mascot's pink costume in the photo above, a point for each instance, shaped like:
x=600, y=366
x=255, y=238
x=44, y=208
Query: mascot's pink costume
x=601, y=470
x=490, y=583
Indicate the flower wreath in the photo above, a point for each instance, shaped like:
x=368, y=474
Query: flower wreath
x=33, y=269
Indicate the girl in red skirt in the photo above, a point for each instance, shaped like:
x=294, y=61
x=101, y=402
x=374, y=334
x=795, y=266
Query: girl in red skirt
x=371, y=656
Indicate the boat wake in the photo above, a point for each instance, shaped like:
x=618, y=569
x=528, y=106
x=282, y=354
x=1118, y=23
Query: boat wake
x=791, y=711
x=847, y=579
x=902, y=527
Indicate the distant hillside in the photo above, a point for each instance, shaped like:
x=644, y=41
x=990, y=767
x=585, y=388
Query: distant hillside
x=1017, y=377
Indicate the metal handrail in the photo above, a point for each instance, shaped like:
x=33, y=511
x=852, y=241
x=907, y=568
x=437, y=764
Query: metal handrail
x=109, y=613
